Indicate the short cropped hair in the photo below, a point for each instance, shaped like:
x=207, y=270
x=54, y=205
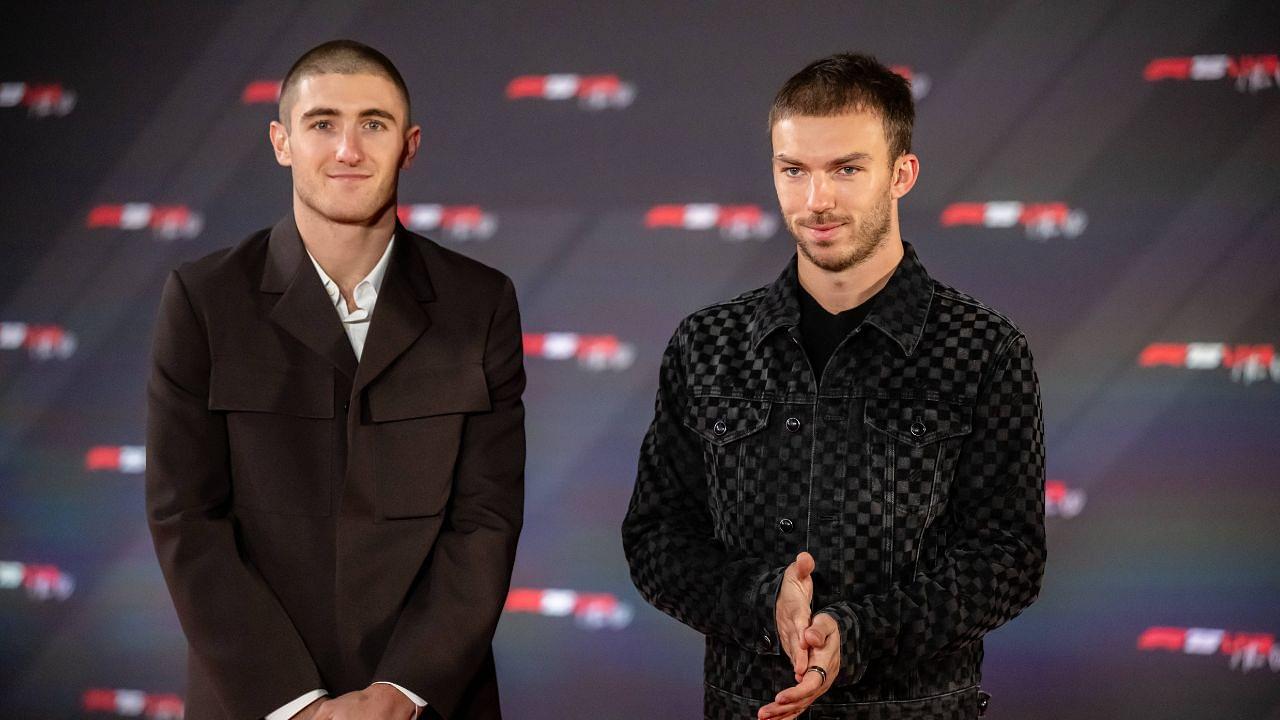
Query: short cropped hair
x=341, y=57
x=849, y=82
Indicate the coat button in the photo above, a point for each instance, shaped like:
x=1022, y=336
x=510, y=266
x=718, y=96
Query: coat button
x=345, y=405
x=917, y=428
x=720, y=427
x=786, y=526
x=793, y=424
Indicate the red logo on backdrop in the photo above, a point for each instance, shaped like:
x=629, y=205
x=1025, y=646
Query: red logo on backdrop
x=1248, y=364
x=1247, y=650
x=1062, y=501
x=1251, y=73
x=42, y=342
x=261, y=91
x=593, y=352
x=920, y=83
x=128, y=459
x=169, y=222
x=594, y=611
x=735, y=222
x=41, y=582
x=1041, y=221
x=40, y=100
x=460, y=223
x=593, y=92
x=133, y=703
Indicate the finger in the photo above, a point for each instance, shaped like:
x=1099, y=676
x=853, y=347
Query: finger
x=799, y=654
x=804, y=565
x=778, y=711
x=820, y=631
x=809, y=687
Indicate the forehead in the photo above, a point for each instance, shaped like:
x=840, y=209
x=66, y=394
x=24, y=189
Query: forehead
x=342, y=92
x=811, y=136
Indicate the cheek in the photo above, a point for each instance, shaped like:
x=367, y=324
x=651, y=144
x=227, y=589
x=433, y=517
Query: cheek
x=790, y=196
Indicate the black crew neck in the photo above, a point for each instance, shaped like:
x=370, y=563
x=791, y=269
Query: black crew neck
x=821, y=331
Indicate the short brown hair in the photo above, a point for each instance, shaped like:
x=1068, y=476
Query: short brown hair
x=341, y=57
x=846, y=82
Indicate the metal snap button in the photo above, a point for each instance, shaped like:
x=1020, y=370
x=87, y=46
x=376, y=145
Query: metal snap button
x=793, y=424
x=917, y=428
x=785, y=525
x=720, y=427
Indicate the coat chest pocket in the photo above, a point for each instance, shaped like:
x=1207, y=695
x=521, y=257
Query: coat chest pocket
x=915, y=444
x=280, y=434
x=419, y=420
x=732, y=446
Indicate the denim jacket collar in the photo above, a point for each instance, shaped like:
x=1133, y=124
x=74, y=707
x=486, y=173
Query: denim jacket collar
x=898, y=310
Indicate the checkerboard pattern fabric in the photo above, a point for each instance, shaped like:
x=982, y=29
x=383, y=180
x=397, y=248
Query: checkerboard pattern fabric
x=914, y=474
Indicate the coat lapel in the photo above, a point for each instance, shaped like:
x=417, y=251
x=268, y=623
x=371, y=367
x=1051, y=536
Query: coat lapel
x=304, y=309
x=399, y=317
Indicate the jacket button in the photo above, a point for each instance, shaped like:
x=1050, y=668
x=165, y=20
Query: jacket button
x=786, y=526
x=793, y=424
x=345, y=405
x=720, y=427
x=917, y=428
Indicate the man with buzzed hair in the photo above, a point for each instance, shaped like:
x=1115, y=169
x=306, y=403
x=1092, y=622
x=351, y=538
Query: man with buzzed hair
x=335, y=435
x=843, y=484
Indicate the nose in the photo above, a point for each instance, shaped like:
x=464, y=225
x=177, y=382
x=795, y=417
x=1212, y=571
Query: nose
x=348, y=151
x=821, y=197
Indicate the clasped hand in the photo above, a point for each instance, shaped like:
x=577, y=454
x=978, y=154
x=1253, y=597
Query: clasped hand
x=808, y=641
x=376, y=702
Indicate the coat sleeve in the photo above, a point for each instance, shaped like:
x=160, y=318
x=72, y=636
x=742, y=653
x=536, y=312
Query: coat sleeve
x=444, y=632
x=996, y=556
x=237, y=629
x=676, y=561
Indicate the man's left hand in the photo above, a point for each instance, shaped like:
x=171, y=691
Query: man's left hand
x=823, y=640
x=376, y=702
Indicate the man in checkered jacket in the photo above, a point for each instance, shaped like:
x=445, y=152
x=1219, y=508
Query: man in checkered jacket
x=843, y=484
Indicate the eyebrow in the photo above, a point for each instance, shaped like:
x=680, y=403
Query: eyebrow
x=371, y=112
x=842, y=160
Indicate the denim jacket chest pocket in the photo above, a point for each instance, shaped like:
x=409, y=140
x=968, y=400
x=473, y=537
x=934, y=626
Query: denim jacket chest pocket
x=732, y=445
x=914, y=446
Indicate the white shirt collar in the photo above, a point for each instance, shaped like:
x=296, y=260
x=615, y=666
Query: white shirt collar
x=372, y=281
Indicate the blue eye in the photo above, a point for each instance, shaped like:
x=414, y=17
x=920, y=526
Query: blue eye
x=851, y=170
x=791, y=171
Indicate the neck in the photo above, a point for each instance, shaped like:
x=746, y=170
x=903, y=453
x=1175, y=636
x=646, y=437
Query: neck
x=347, y=251
x=837, y=291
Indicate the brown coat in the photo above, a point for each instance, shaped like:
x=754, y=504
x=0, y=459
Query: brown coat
x=323, y=523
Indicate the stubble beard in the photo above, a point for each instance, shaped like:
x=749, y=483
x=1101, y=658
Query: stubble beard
x=868, y=237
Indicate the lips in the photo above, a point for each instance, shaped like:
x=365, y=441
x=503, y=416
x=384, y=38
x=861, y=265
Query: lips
x=349, y=177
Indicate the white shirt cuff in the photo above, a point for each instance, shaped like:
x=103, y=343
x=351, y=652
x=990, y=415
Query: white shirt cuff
x=413, y=697
x=287, y=711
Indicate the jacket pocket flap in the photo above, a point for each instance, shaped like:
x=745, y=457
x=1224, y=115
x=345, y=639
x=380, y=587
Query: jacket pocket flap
x=721, y=420
x=239, y=384
x=428, y=391
x=918, y=422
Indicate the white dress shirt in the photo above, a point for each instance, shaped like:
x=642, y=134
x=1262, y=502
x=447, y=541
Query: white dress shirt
x=356, y=325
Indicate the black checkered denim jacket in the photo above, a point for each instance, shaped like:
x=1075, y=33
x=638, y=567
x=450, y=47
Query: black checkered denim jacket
x=914, y=474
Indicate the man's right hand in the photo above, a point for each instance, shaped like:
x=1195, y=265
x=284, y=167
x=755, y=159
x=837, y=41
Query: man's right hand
x=309, y=711
x=793, y=611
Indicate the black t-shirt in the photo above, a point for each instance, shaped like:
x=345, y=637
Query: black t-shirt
x=821, y=332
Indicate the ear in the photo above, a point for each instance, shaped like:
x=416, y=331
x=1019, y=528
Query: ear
x=279, y=137
x=906, y=170
x=412, y=140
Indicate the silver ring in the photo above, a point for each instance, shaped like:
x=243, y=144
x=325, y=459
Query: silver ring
x=820, y=670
